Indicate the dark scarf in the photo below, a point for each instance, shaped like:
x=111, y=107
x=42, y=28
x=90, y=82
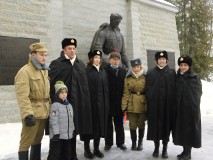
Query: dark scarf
x=59, y=100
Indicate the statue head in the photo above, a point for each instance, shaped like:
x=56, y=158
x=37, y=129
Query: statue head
x=115, y=20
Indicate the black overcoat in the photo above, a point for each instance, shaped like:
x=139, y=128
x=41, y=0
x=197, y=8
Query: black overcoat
x=116, y=87
x=160, y=96
x=99, y=97
x=75, y=78
x=187, y=128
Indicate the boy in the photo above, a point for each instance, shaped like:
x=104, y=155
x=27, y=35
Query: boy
x=61, y=124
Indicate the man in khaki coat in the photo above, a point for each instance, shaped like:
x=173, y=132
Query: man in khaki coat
x=32, y=92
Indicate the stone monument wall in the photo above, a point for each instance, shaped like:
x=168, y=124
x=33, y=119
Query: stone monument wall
x=153, y=27
x=146, y=25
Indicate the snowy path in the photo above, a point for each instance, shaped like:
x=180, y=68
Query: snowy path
x=9, y=136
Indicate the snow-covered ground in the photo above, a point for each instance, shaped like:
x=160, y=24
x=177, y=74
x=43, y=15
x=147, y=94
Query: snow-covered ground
x=10, y=135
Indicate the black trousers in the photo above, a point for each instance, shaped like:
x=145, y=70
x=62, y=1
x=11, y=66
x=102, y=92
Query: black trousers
x=119, y=130
x=73, y=148
x=60, y=150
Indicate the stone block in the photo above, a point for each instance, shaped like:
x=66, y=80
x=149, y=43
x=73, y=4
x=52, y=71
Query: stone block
x=9, y=6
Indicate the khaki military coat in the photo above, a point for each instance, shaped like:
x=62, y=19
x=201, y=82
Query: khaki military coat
x=133, y=99
x=32, y=91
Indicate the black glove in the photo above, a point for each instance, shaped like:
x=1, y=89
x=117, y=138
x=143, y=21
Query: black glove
x=29, y=121
x=47, y=132
x=55, y=137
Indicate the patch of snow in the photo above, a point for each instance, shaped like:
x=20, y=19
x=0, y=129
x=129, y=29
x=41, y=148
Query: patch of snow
x=165, y=2
x=207, y=98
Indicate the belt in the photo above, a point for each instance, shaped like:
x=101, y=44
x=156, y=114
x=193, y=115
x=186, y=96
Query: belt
x=40, y=100
x=138, y=93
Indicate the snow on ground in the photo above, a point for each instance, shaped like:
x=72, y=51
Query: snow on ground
x=10, y=136
x=207, y=99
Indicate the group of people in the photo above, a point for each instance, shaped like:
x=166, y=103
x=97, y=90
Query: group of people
x=86, y=101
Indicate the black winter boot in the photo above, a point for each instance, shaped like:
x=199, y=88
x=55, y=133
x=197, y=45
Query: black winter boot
x=164, y=151
x=23, y=155
x=134, y=139
x=181, y=154
x=156, y=151
x=87, y=151
x=140, y=139
x=35, y=152
x=96, y=151
x=187, y=153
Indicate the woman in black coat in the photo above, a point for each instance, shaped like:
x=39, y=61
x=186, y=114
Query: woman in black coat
x=99, y=97
x=160, y=96
x=187, y=126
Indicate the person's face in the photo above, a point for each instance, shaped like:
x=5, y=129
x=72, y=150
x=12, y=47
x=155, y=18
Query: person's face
x=114, y=61
x=40, y=56
x=137, y=69
x=63, y=95
x=184, y=67
x=96, y=60
x=115, y=22
x=70, y=51
x=162, y=62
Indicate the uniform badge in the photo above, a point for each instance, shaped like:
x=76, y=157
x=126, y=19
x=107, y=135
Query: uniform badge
x=161, y=54
x=98, y=52
x=72, y=41
x=136, y=62
x=181, y=59
x=53, y=113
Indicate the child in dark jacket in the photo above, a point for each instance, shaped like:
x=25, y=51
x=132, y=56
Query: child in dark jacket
x=61, y=125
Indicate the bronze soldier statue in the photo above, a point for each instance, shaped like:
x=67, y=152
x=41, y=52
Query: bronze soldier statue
x=109, y=39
